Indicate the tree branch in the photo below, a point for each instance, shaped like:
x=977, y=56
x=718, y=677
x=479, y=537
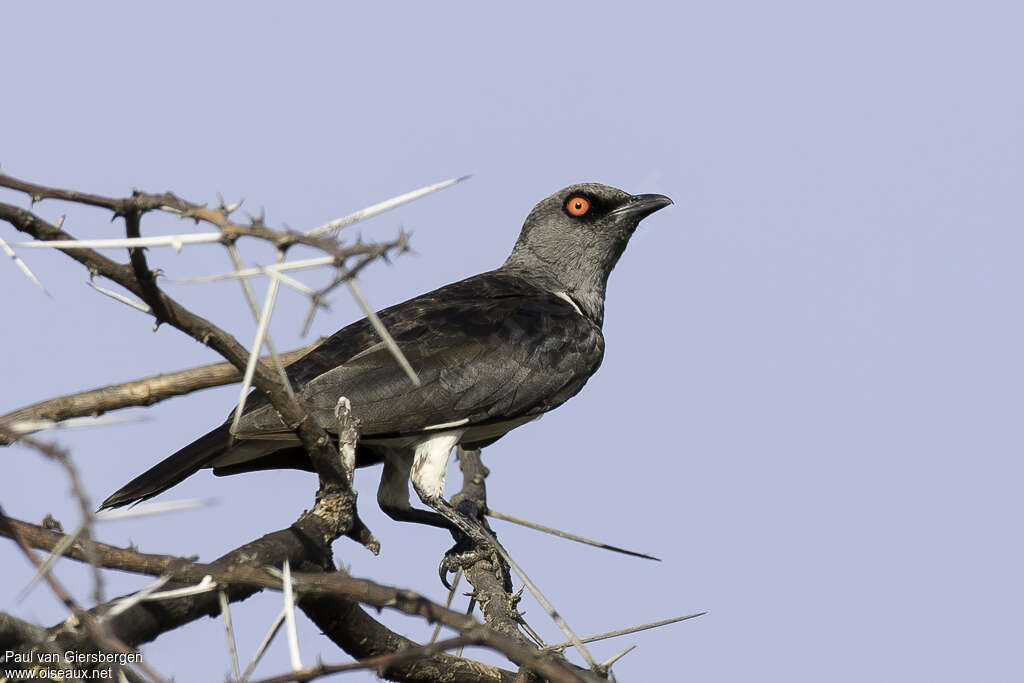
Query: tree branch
x=140, y=392
x=329, y=598
x=313, y=437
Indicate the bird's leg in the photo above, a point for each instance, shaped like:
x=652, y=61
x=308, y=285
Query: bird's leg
x=428, y=475
x=471, y=502
x=393, y=493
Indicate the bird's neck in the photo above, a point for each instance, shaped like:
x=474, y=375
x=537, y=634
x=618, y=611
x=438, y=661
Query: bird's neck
x=585, y=286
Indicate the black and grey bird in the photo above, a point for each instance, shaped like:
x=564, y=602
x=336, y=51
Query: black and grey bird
x=493, y=352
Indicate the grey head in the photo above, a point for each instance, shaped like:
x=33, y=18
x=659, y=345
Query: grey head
x=572, y=240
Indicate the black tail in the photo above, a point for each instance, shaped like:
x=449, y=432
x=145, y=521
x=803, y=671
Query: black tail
x=172, y=470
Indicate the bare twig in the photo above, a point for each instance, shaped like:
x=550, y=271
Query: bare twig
x=142, y=202
x=143, y=275
x=59, y=455
x=140, y=392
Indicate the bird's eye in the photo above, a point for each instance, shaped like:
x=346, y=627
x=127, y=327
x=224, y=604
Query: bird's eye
x=577, y=206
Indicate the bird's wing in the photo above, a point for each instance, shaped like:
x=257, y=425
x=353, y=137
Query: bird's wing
x=487, y=349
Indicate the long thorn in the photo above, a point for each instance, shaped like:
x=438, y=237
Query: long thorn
x=274, y=628
x=250, y=297
x=207, y=585
x=275, y=269
x=289, y=618
x=176, y=241
x=624, y=631
x=469, y=610
x=225, y=610
x=382, y=332
x=614, y=658
x=22, y=266
x=544, y=602
x=146, y=509
x=138, y=305
x=254, y=353
x=22, y=427
x=491, y=512
x=447, y=603
x=530, y=632
x=47, y=564
x=381, y=207
x=135, y=598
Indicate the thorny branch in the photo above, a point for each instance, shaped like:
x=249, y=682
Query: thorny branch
x=321, y=592
x=497, y=604
x=330, y=598
x=141, y=392
x=98, y=635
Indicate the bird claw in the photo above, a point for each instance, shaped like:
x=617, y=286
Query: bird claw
x=444, y=569
x=459, y=558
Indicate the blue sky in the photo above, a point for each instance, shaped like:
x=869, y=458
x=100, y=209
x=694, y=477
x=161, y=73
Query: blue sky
x=810, y=402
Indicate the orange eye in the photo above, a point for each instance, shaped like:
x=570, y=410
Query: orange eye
x=577, y=206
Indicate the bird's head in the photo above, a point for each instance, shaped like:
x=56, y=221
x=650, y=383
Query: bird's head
x=576, y=236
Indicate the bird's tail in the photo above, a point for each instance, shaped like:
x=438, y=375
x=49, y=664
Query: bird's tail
x=172, y=470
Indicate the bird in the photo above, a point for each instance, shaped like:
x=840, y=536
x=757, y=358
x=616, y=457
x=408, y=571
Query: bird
x=493, y=352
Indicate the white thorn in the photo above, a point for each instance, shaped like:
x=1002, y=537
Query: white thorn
x=380, y=207
x=157, y=241
x=289, y=619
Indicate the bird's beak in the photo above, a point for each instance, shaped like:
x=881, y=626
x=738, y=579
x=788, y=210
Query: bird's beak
x=640, y=206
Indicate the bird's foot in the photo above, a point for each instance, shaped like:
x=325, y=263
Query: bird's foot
x=463, y=555
x=473, y=541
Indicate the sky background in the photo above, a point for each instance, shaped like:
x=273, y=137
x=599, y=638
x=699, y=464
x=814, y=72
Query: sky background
x=810, y=404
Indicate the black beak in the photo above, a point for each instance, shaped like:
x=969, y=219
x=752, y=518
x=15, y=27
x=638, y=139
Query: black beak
x=639, y=206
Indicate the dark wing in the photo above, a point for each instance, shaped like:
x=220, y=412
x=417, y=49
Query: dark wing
x=487, y=349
